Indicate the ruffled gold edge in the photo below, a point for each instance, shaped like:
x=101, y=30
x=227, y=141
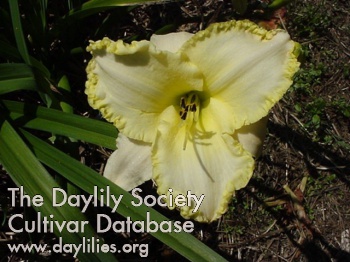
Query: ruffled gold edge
x=227, y=195
x=121, y=49
x=291, y=66
x=118, y=48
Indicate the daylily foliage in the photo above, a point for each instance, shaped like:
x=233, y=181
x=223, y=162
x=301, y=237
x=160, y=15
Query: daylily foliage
x=191, y=109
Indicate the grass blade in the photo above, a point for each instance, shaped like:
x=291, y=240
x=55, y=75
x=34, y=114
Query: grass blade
x=15, y=77
x=94, y=6
x=18, y=31
x=61, y=123
x=25, y=170
x=9, y=52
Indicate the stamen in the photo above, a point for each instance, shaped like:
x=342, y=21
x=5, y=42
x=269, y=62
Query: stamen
x=189, y=112
x=183, y=115
x=183, y=102
x=193, y=99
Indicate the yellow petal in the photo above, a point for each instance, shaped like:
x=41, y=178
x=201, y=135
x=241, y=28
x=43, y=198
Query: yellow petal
x=245, y=67
x=252, y=136
x=131, y=84
x=130, y=165
x=212, y=164
x=170, y=42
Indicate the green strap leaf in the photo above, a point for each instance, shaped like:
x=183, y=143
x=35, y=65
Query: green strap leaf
x=15, y=77
x=18, y=31
x=95, y=6
x=61, y=123
x=25, y=170
x=278, y=4
x=86, y=178
x=9, y=52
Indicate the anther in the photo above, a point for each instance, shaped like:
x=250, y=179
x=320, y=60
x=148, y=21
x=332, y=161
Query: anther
x=189, y=113
x=183, y=115
x=182, y=102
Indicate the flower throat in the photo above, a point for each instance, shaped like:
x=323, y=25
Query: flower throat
x=189, y=112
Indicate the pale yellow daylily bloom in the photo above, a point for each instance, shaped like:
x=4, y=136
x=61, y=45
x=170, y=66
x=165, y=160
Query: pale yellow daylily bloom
x=191, y=109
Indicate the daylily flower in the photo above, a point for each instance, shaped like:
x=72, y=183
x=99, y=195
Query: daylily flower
x=191, y=109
